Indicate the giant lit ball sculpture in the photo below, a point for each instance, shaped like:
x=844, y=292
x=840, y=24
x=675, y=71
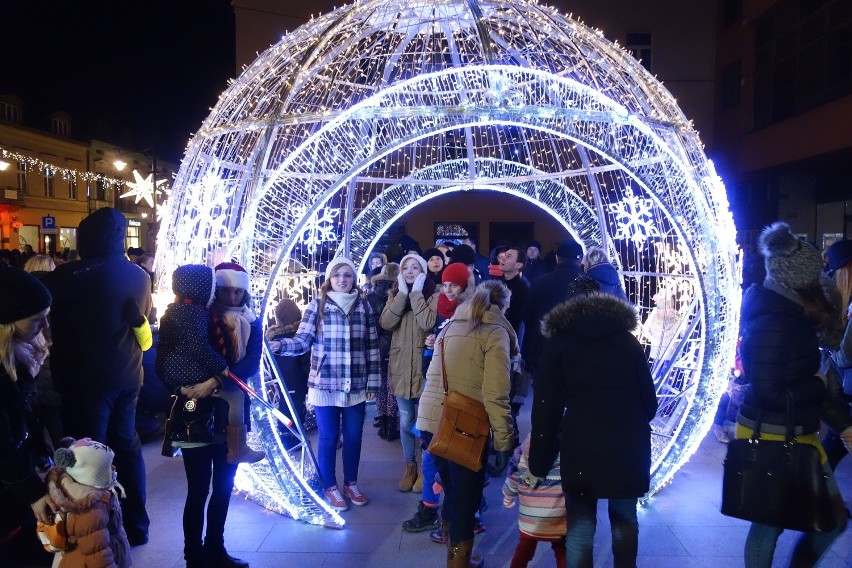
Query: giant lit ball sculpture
x=364, y=113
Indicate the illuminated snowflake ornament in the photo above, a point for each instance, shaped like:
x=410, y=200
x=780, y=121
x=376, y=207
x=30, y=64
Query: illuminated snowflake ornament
x=364, y=113
x=143, y=188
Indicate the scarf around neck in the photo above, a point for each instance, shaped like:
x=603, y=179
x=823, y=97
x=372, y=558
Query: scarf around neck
x=344, y=299
x=446, y=307
x=235, y=324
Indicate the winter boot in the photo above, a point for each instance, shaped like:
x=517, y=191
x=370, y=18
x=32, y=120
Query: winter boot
x=238, y=451
x=409, y=477
x=442, y=535
x=392, y=430
x=424, y=519
x=459, y=556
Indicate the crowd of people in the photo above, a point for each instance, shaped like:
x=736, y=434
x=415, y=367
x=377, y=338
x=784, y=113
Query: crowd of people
x=495, y=329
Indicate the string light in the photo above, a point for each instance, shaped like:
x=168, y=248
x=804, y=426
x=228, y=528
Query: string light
x=362, y=114
x=46, y=168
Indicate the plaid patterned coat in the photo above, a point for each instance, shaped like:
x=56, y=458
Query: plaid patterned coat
x=345, y=357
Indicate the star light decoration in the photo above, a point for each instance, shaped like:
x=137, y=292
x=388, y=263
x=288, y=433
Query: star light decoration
x=363, y=114
x=143, y=188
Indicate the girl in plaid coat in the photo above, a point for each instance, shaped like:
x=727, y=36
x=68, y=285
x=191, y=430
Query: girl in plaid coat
x=339, y=328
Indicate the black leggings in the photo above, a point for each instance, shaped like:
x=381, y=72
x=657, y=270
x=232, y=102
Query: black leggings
x=203, y=465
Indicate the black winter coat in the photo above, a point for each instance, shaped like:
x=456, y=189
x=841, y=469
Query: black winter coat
x=594, y=400
x=93, y=345
x=780, y=355
x=19, y=430
x=545, y=293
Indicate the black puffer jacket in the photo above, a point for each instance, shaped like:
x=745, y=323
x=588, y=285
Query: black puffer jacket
x=780, y=355
x=184, y=355
x=595, y=398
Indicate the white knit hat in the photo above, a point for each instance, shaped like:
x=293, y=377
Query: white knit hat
x=88, y=462
x=232, y=275
x=416, y=257
x=789, y=261
x=337, y=261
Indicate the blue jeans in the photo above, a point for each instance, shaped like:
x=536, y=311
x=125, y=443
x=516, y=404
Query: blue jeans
x=581, y=514
x=328, y=424
x=429, y=468
x=761, y=540
x=407, y=420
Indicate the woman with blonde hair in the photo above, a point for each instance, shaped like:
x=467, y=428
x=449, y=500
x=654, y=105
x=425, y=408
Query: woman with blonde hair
x=40, y=263
x=24, y=305
x=339, y=328
x=475, y=350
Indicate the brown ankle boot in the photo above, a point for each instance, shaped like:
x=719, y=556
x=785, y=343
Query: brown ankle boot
x=409, y=477
x=238, y=451
x=460, y=556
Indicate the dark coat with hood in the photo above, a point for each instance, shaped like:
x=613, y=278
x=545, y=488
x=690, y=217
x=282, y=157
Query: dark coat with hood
x=780, y=355
x=544, y=294
x=184, y=355
x=93, y=345
x=594, y=400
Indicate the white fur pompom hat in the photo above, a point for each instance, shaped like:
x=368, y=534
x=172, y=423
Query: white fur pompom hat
x=790, y=261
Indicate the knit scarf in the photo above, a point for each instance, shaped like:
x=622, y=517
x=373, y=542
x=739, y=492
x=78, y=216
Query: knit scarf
x=230, y=330
x=344, y=299
x=446, y=307
x=31, y=354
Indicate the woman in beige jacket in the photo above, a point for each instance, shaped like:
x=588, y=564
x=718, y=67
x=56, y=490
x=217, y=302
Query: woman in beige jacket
x=410, y=314
x=476, y=348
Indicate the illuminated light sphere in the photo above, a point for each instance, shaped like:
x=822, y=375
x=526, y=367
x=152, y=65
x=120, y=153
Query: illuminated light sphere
x=363, y=113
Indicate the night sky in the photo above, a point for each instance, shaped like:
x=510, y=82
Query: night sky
x=138, y=74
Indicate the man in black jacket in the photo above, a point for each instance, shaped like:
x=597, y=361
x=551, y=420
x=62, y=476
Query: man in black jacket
x=545, y=293
x=95, y=360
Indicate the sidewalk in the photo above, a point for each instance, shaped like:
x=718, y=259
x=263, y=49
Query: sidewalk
x=680, y=527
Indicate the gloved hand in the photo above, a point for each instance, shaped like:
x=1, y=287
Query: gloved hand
x=131, y=314
x=403, y=287
x=418, y=283
x=501, y=460
x=530, y=480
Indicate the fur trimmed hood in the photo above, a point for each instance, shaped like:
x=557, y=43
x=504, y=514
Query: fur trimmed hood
x=72, y=496
x=592, y=315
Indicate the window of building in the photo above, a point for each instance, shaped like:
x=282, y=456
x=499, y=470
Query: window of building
x=68, y=238
x=132, y=238
x=61, y=127
x=100, y=190
x=803, y=58
x=639, y=46
x=731, y=85
x=22, y=176
x=10, y=112
x=732, y=11
x=72, y=187
x=49, y=188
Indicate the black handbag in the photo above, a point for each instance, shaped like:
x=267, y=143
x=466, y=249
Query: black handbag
x=777, y=483
x=191, y=419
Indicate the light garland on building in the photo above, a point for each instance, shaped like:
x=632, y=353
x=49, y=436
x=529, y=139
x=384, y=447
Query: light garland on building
x=65, y=173
x=364, y=113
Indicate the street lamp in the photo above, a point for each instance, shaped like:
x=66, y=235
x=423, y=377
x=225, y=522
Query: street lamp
x=4, y=165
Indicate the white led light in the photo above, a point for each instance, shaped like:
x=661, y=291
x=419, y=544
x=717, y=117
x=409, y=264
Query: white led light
x=365, y=113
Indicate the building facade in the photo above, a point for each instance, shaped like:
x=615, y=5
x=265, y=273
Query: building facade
x=51, y=181
x=783, y=127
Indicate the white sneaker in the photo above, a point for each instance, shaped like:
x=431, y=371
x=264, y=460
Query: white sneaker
x=335, y=499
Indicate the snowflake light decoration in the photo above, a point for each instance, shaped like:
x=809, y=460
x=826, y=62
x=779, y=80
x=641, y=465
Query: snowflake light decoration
x=143, y=188
x=367, y=112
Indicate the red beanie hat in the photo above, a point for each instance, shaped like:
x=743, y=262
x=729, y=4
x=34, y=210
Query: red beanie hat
x=457, y=274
